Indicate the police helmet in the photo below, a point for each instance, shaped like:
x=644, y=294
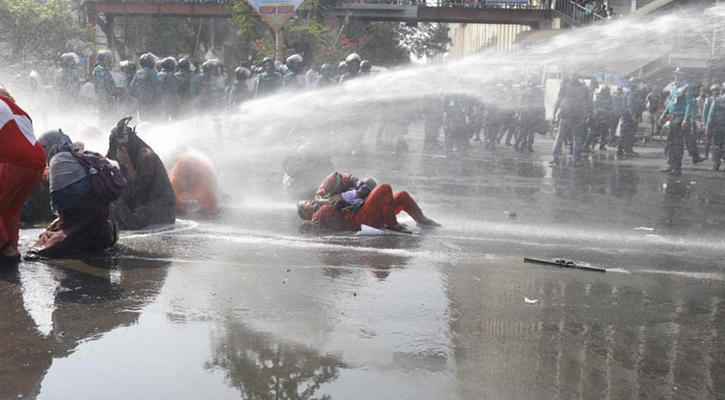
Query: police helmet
x=69, y=59
x=294, y=59
x=715, y=87
x=168, y=63
x=184, y=64
x=242, y=73
x=268, y=60
x=365, y=66
x=352, y=57
x=634, y=82
x=325, y=68
x=128, y=67
x=105, y=57
x=157, y=65
x=147, y=60
x=342, y=66
x=207, y=66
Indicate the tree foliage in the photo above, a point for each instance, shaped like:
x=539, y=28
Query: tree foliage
x=38, y=29
x=384, y=43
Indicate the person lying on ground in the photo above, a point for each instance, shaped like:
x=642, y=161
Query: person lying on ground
x=148, y=197
x=22, y=162
x=378, y=210
x=82, y=225
x=337, y=183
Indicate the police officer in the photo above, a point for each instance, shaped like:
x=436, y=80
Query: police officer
x=292, y=78
x=145, y=86
x=128, y=71
x=633, y=106
x=365, y=67
x=715, y=127
x=186, y=83
x=682, y=107
x=208, y=91
x=268, y=81
x=68, y=85
x=715, y=92
x=601, y=119
x=531, y=112
x=169, y=87
x=574, y=105
x=238, y=92
x=353, y=67
x=326, y=79
x=341, y=71
x=617, y=98
x=103, y=83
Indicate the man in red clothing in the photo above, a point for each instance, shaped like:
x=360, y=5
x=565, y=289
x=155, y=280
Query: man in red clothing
x=22, y=162
x=378, y=210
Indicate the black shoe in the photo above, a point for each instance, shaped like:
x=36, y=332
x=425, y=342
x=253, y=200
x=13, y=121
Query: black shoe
x=427, y=222
x=666, y=169
x=698, y=160
x=675, y=172
x=400, y=229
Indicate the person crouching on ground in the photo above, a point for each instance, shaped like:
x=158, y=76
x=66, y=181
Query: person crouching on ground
x=82, y=225
x=378, y=210
x=22, y=162
x=148, y=197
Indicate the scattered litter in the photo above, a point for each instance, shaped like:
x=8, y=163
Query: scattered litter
x=564, y=264
x=478, y=279
x=366, y=230
x=284, y=281
x=510, y=214
x=354, y=294
x=289, y=270
x=644, y=228
x=529, y=301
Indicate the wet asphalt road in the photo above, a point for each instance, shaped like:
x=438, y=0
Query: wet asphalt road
x=248, y=305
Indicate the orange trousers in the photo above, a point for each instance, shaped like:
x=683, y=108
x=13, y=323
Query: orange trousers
x=16, y=185
x=381, y=207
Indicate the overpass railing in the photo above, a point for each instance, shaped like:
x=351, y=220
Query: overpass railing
x=479, y=4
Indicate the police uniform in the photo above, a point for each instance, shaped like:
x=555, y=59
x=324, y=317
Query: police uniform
x=716, y=129
x=681, y=106
x=267, y=83
x=633, y=105
x=105, y=87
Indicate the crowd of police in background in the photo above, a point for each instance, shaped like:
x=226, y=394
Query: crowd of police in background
x=586, y=114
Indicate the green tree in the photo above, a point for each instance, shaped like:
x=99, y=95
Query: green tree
x=40, y=29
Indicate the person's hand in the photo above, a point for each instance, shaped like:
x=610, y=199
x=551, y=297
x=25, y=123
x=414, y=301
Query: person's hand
x=335, y=199
x=685, y=125
x=125, y=160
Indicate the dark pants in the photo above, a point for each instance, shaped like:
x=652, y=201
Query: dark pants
x=691, y=143
x=628, y=135
x=574, y=128
x=675, y=143
x=527, y=131
x=508, y=126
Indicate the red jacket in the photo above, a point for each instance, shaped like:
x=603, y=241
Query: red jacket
x=18, y=145
x=335, y=183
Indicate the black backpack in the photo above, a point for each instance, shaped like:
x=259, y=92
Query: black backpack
x=106, y=180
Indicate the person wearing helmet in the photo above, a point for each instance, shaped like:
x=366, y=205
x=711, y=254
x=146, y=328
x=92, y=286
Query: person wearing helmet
x=145, y=86
x=186, y=80
x=103, y=83
x=209, y=93
x=341, y=71
x=128, y=71
x=292, y=78
x=574, y=107
x=325, y=79
x=633, y=105
x=508, y=112
x=365, y=67
x=531, y=113
x=238, y=91
x=599, y=127
x=715, y=92
x=67, y=83
x=169, y=88
x=715, y=128
x=157, y=65
x=268, y=81
x=682, y=107
x=353, y=67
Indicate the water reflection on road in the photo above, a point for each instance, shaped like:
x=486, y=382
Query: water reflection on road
x=248, y=306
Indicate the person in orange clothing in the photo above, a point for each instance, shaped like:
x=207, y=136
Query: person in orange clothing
x=194, y=179
x=378, y=210
x=22, y=162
